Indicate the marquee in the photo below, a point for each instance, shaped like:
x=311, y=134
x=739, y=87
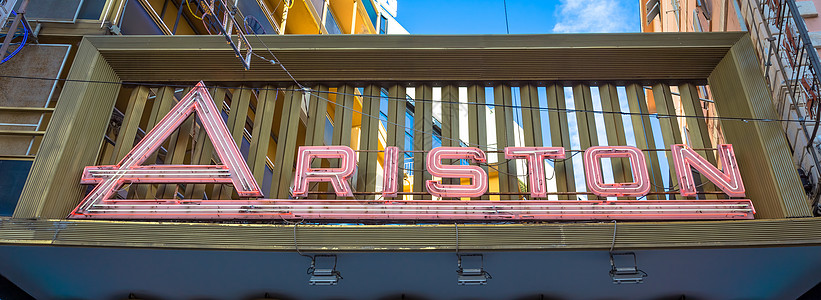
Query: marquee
x=100, y=204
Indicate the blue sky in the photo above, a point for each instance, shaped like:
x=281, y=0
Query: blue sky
x=524, y=16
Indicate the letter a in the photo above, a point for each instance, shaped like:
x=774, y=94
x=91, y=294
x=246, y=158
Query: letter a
x=234, y=170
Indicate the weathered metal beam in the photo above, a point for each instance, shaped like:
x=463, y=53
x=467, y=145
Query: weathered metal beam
x=429, y=237
x=72, y=140
x=421, y=58
x=765, y=163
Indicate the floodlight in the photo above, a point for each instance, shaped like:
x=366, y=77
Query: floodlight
x=323, y=270
x=623, y=268
x=471, y=270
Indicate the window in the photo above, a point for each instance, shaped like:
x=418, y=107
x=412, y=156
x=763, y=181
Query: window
x=652, y=7
x=705, y=8
x=319, y=6
x=267, y=178
x=739, y=16
x=383, y=107
x=696, y=22
x=329, y=130
x=330, y=23
x=14, y=174
x=383, y=25
x=245, y=147
x=676, y=10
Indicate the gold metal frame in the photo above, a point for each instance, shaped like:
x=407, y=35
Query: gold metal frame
x=724, y=60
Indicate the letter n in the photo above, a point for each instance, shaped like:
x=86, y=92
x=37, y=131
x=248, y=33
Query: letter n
x=728, y=179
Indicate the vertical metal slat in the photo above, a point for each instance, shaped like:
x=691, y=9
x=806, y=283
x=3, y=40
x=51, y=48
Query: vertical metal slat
x=585, y=121
x=644, y=135
x=450, y=122
x=477, y=121
x=508, y=182
x=422, y=137
x=369, y=140
x=670, y=132
x=131, y=123
x=697, y=127
x=397, y=106
x=615, y=132
x=560, y=137
x=261, y=135
x=286, y=146
x=162, y=105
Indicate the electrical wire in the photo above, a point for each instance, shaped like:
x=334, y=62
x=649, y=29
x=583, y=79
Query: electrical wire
x=613, y=244
x=507, y=27
x=407, y=127
x=456, y=226
x=296, y=246
x=313, y=91
x=275, y=60
x=307, y=90
x=568, y=110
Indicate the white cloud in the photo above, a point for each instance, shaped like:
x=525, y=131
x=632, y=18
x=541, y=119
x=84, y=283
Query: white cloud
x=594, y=16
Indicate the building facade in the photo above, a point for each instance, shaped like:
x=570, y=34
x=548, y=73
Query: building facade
x=534, y=166
x=786, y=38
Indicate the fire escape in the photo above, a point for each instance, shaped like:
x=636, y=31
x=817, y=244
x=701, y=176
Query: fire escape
x=791, y=67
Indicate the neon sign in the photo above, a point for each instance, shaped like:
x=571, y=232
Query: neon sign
x=108, y=179
x=728, y=180
x=478, y=177
x=592, y=172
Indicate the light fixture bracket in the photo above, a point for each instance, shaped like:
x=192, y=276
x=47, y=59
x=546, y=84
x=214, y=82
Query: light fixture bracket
x=323, y=270
x=471, y=270
x=624, y=269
